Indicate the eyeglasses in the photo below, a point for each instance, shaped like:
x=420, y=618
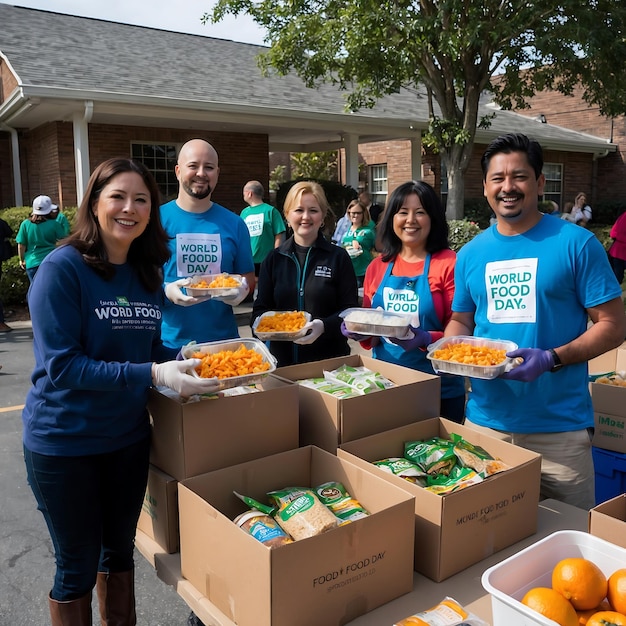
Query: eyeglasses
x=355, y=214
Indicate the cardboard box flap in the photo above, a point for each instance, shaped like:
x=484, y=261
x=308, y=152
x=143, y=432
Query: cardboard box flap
x=608, y=520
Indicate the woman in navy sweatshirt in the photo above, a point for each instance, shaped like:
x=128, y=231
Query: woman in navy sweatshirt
x=95, y=306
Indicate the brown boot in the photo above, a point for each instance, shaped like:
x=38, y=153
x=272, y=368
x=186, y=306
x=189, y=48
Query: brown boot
x=71, y=613
x=116, y=595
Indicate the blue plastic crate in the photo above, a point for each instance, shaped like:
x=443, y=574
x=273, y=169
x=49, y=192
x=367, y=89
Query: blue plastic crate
x=610, y=472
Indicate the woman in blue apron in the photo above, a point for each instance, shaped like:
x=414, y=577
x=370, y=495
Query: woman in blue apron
x=415, y=275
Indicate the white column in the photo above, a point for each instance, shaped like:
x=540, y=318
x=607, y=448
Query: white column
x=351, y=145
x=81, y=149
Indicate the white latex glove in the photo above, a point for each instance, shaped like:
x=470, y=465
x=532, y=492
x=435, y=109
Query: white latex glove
x=173, y=374
x=175, y=294
x=239, y=297
x=314, y=329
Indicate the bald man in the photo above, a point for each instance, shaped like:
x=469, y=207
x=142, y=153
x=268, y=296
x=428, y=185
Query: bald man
x=207, y=238
x=264, y=222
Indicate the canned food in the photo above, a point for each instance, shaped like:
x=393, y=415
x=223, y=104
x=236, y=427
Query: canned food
x=263, y=528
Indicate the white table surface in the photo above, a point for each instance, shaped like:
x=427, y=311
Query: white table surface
x=465, y=587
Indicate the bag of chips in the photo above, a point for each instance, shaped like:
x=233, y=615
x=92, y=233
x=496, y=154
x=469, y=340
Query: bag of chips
x=336, y=497
x=434, y=456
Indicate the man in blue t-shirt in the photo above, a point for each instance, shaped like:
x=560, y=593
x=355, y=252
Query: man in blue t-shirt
x=537, y=281
x=206, y=239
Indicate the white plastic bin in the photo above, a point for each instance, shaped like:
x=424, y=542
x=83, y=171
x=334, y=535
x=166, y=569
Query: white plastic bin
x=509, y=580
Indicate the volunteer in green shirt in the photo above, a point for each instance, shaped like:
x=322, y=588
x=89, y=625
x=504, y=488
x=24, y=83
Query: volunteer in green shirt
x=264, y=222
x=38, y=235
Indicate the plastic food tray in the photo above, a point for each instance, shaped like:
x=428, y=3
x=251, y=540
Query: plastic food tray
x=463, y=369
x=214, y=291
x=233, y=344
x=385, y=323
x=509, y=580
x=354, y=252
x=279, y=335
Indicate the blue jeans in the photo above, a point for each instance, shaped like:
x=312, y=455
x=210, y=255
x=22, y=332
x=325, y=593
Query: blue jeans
x=30, y=272
x=91, y=505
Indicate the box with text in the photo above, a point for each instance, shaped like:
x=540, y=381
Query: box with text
x=458, y=529
x=327, y=421
x=330, y=578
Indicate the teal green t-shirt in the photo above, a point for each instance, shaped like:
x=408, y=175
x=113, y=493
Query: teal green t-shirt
x=264, y=223
x=39, y=240
x=366, y=237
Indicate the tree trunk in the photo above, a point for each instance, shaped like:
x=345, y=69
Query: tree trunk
x=456, y=191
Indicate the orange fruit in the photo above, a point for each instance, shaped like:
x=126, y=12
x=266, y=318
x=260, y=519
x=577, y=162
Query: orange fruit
x=616, y=594
x=607, y=618
x=551, y=604
x=580, y=581
x=583, y=616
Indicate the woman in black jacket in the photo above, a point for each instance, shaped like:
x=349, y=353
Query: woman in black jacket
x=307, y=273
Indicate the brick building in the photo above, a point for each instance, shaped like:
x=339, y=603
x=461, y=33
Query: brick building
x=99, y=89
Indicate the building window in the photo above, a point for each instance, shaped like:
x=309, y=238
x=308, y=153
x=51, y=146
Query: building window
x=553, y=189
x=160, y=159
x=378, y=183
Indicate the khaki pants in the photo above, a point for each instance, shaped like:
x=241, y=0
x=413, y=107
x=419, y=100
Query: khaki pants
x=567, y=472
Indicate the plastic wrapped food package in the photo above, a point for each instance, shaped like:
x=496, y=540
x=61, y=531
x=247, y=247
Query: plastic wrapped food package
x=300, y=512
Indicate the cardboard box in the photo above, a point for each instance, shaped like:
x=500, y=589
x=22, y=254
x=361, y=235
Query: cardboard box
x=509, y=580
x=159, y=514
x=608, y=520
x=608, y=362
x=459, y=529
x=609, y=401
x=610, y=473
x=327, y=422
x=609, y=430
x=198, y=437
x=328, y=579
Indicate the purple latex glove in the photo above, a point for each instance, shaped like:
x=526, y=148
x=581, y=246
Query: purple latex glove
x=535, y=363
x=354, y=336
x=415, y=338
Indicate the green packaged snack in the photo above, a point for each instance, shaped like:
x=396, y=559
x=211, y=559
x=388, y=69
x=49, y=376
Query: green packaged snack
x=300, y=512
x=476, y=457
x=404, y=468
x=336, y=497
x=361, y=379
x=254, y=504
x=434, y=456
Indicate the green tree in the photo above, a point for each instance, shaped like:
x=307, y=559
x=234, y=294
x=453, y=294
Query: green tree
x=315, y=165
x=447, y=50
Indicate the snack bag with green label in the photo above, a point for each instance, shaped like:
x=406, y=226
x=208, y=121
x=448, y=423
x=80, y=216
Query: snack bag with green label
x=300, y=512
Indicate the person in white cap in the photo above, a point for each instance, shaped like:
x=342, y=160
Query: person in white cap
x=38, y=235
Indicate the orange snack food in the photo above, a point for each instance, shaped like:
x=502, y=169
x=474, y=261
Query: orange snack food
x=470, y=355
x=289, y=321
x=230, y=363
x=219, y=282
